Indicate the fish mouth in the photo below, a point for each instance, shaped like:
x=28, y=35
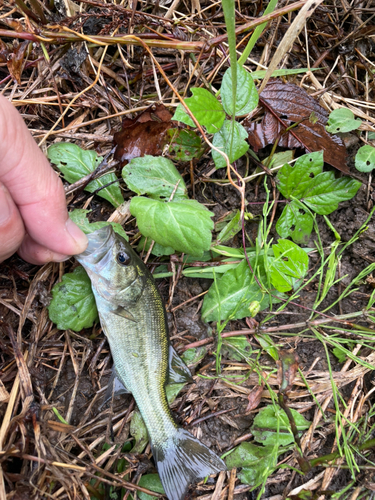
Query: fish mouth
x=98, y=245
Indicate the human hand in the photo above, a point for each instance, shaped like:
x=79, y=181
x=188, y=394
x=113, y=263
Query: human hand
x=33, y=216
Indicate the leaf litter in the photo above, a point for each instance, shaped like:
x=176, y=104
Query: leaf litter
x=89, y=457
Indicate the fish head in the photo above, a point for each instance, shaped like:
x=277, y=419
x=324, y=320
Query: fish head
x=117, y=274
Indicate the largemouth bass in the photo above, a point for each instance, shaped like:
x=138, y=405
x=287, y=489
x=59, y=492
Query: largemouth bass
x=133, y=318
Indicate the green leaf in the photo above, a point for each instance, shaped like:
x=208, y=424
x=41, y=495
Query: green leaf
x=75, y=163
x=185, y=225
x=73, y=304
x=231, y=141
x=340, y=354
x=139, y=432
x=324, y=192
x=193, y=356
x=151, y=482
x=231, y=229
x=205, y=107
x=293, y=180
x=185, y=144
x=295, y=223
x=342, y=120
x=271, y=427
x=246, y=97
x=155, y=176
x=157, y=249
x=237, y=348
x=260, y=74
x=207, y=272
x=79, y=216
x=232, y=294
x=256, y=462
x=291, y=263
x=279, y=159
x=365, y=159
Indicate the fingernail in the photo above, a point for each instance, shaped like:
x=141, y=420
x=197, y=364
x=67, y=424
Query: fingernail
x=79, y=237
x=5, y=205
x=59, y=257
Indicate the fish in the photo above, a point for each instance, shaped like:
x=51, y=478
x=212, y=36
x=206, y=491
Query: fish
x=133, y=318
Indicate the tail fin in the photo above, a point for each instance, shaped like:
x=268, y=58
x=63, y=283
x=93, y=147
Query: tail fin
x=183, y=460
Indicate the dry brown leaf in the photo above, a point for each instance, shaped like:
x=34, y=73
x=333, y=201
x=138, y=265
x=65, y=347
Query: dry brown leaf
x=287, y=369
x=255, y=396
x=15, y=61
x=144, y=135
x=293, y=104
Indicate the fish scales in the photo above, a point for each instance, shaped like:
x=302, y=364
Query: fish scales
x=133, y=318
x=138, y=347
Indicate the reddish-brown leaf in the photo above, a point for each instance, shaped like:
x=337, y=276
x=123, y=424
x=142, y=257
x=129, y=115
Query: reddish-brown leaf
x=292, y=104
x=15, y=61
x=144, y=135
x=4, y=52
x=255, y=396
x=287, y=369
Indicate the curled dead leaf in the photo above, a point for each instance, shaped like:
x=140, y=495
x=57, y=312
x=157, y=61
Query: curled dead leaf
x=255, y=396
x=287, y=364
x=286, y=103
x=144, y=135
x=15, y=61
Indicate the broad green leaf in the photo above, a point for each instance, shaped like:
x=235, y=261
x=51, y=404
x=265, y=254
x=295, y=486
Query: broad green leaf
x=79, y=217
x=230, y=140
x=75, y=163
x=256, y=462
x=295, y=223
x=184, y=225
x=340, y=354
x=246, y=97
x=232, y=294
x=155, y=176
x=279, y=159
x=324, y=192
x=293, y=180
x=342, y=120
x=139, y=432
x=365, y=159
x=236, y=348
x=151, y=482
x=268, y=345
x=230, y=230
x=290, y=263
x=268, y=422
x=185, y=144
x=194, y=356
x=205, y=107
x=157, y=249
x=73, y=304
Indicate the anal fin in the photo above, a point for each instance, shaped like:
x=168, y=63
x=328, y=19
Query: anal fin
x=115, y=386
x=178, y=371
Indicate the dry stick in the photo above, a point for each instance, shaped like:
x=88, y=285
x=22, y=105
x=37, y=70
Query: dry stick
x=72, y=36
x=272, y=329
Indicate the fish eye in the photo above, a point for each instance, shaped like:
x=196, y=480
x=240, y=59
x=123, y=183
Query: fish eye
x=123, y=258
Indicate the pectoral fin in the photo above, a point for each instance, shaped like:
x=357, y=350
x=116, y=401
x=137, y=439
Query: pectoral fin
x=115, y=386
x=121, y=311
x=178, y=371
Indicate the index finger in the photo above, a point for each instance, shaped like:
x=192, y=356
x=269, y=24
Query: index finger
x=35, y=187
